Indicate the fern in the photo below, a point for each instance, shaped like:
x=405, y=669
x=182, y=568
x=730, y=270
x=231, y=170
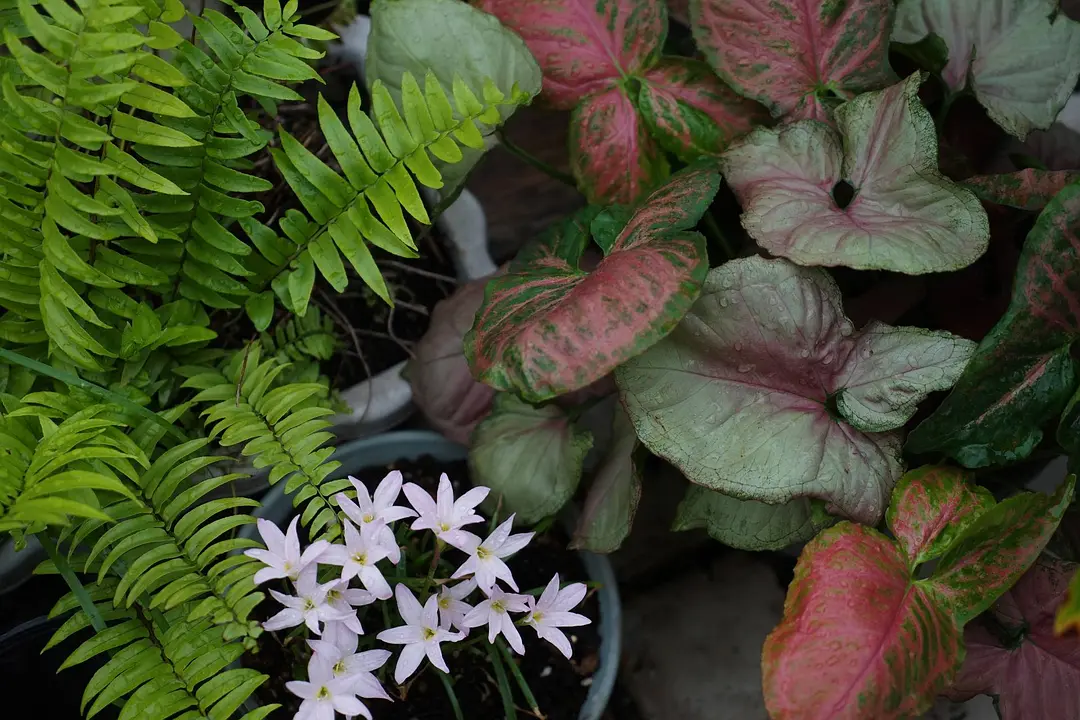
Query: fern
x=53, y=472
x=277, y=429
x=87, y=85
x=302, y=343
x=167, y=668
x=376, y=166
x=207, y=260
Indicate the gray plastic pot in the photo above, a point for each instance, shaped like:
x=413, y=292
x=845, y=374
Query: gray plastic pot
x=411, y=444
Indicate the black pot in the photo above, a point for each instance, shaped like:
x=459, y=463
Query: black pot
x=29, y=684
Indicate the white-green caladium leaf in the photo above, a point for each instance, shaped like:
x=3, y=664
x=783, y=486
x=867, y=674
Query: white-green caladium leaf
x=452, y=39
x=749, y=524
x=529, y=456
x=613, y=497
x=1020, y=57
x=743, y=395
x=894, y=370
x=903, y=216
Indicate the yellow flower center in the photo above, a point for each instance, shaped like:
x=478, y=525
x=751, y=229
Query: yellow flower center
x=444, y=527
x=369, y=518
x=483, y=553
x=340, y=668
x=498, y=606
x=360, y=558
x=323, y=693
x=428, y=633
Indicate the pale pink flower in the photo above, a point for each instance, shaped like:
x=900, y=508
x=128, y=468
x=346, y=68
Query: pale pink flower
x=486, y=558
x=309, y=606
x=346, y=599
x=494, y=612
x=452, y=605
x=375, y=515
x=325, y=696
x=421, y=634
x=357, y=558
x=552, y=611
x=282, y=555
x=445, y=516
x=330, y=660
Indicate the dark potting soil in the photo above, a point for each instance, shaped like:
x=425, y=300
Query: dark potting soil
x=559, y=685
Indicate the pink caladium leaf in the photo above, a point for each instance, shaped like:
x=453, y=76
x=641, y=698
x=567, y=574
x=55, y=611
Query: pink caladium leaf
x=690, y=112
x=547, y=327
x=612, y=155
x=904, y=215
x=1020, y=57
x=748, y=395
x=610, y=506
x=584, y=47
x=529, y=456
x=1022, y=373
x=793, y=55
x=867, y=633
x=1014, y=654
x=443, y=389
x=1028, y=189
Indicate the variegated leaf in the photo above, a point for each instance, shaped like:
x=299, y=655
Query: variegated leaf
x=1021, y=57
x=796, y=56
x=690, y=112
x=584, y=46
x=749, y=524
x=904, y=216
x=1022, y=373
x=612, y=155
x=740, y=395
x=547, y=327
x=867, y=633
x=1027, y=189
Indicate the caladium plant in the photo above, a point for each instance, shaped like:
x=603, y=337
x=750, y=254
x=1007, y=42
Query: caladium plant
x=1021, y=58
x=1014, y=654
x=602, y=60
x=766, y=392
x=904, y=216
x=879, y=635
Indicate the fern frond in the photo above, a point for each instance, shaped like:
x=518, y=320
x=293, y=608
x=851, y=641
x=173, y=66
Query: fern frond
x=302, y=342
x=380, y=169
x=171, y=547
x=207, y=259
x=52, y=473
x=164, y=666
x=279, y=428
x=65, y=115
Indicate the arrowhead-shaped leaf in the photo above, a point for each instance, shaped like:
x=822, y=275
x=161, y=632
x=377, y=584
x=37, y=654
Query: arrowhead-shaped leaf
x=530, y=457
x=1027, y=189
x=547, y=327
x=1014, y=655
x=584, y=47
x=1021, y=374
x=738, y=396
x=794, y=55
x=867, y=634
x=690, y=112
x=612, y=155
x=1021, y=57
x=609, y=509
x=749, y=524
x=443, y=389
x=904, y=216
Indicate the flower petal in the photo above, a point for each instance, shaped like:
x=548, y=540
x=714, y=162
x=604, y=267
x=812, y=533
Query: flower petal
x=386, y=494
x=402, y=635
x=300, y=689
x=350, y=705
x=558, y=639
x=569, y=597
x=514, y=543
x=408, y=606
x=434, y=654
x=565, y=619
x=410, y=658
x=510, y=632
x=470, y=500
x=272, y=537
x=367, y=685
x=395, y=513
x=550, y=595
x=461, y=539
x=351, y=509
x=369, y=660
x=501, y=571
x=313, y=552
x=420, y=500
x=287, y=618
x=478, y=616
x=496, y=539
x=268, y=573
x=292, y=542
x=445, y=500
x=373, y=581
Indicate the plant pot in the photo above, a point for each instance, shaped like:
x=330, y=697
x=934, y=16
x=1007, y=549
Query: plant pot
x=412, y=444
x=29, y=683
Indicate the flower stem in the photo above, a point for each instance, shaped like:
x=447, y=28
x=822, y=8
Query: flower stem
x=505, y=692
x=73, y=582
x=431, y=571
x=522, y=683
x=454, y=704
x=712, y=228
x=536, y=162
